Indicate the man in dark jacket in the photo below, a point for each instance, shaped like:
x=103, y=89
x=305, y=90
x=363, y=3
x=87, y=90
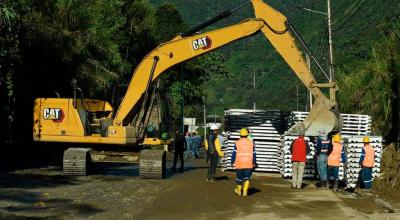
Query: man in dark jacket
x=322, y=147
x=299, y=150
x=179, y=148
x=214, y=151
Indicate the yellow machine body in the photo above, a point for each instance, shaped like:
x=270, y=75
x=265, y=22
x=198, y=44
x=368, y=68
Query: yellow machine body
x=119, y=130
x=63, y=120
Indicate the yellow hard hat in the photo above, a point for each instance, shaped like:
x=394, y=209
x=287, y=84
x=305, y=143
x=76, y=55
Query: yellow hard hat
x=244, y=132
x=366, y=139
x=337, y=137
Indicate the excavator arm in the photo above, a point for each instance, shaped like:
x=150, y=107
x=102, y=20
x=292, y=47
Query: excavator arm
x=176, y=51
x=321, y=116
x=275, y=28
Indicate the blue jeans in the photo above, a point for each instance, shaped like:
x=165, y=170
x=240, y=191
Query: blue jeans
x=333, y=173
x=195, y=150
x=188, y=151
x=367, y=177
x=242, y=175
x=322, y=164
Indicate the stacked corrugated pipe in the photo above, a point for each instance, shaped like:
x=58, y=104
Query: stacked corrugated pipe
x=353, y=124
x=272, y=146
x=353, y=147
x=355, y=127
x=266, y=127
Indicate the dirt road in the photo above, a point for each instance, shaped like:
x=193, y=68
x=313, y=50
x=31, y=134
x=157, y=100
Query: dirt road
x=116, y=192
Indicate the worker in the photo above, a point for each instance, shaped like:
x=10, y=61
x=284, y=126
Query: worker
x=322, y=148
x=367, y=161
x=250, y=136
x=335, y=154
x=188, y=145
x=179, y=149
x=196, y=144
x=244, y=160
x=214, y=151
x=299, y=150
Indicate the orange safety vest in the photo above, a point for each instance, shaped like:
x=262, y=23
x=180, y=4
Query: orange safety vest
x=244, y=154
x=334, y=157
x=369, y=157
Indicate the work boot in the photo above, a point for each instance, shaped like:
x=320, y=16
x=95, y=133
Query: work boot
x=336, y=185
x=325, y=184
x=238, y=190
x=246, y=187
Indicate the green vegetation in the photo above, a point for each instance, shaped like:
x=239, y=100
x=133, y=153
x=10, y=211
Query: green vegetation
x=366, y=69
x=374, y=88
x=44, y=44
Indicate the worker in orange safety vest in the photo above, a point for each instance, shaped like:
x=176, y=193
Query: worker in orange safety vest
x=335, y=154
x=244, y=160
x=367, y=161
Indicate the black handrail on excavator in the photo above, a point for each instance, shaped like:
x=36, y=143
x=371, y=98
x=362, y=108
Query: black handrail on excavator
x=214, y=20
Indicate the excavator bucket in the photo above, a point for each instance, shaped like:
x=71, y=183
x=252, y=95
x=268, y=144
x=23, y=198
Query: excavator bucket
x=320, y=118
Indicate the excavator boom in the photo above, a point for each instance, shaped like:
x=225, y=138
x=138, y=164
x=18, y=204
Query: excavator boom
x=272, y=24
x=176, y=51
x=276, y=31
x=91, y=122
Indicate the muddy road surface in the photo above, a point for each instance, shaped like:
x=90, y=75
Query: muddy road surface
x=115, y=192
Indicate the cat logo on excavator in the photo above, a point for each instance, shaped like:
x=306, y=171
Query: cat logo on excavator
x=55, y=114
x=202, y=43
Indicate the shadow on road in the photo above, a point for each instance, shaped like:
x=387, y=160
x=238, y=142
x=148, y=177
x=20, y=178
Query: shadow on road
x=253, y=191
x=115, y=169
x=24, y=204
x=221, y=178
x=31, y=180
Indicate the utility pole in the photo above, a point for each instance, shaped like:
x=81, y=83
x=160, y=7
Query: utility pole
x=297, y=96
x=332, y=91
x=309, y=67
x=331, y=78
x=254, y=90
x=204, y=117
x=182, y=126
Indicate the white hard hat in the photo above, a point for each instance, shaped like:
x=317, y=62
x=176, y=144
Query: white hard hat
x=214, y=127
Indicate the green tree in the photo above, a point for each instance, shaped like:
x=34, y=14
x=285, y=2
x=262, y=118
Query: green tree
x=45, y=44
x=374, y=89
x=168, y=22
x=9, y=59
x=197, y=72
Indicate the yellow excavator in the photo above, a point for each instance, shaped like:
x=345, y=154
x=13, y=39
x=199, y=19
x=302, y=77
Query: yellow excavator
x=89, y=124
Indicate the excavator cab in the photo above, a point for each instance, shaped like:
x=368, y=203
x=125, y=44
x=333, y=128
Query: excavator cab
x=91, y=121
x=71, y=117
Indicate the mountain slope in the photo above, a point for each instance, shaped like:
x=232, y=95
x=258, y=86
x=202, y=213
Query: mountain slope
x=276, y=85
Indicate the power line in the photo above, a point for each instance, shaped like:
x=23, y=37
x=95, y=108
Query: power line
x=371, y=24
x=340, y=9
x=356, y=11
x=321, y=45
x=351, y=9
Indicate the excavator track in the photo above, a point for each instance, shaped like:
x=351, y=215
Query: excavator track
x=155, y=164
x=76, y=161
